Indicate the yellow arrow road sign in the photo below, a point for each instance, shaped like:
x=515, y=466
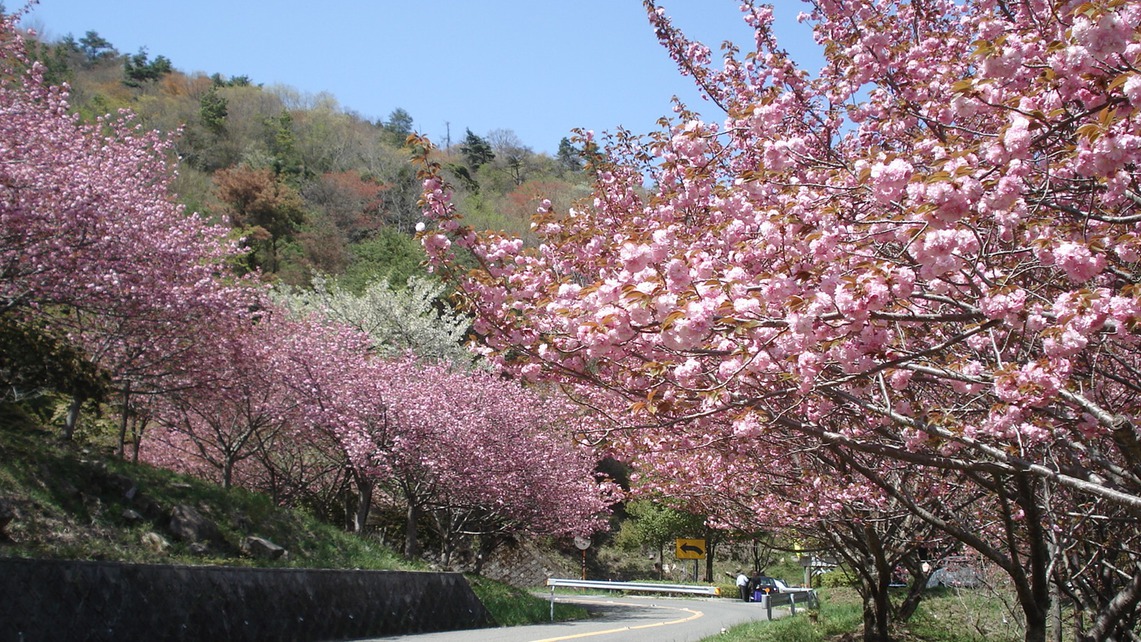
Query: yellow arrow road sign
x=690, y=549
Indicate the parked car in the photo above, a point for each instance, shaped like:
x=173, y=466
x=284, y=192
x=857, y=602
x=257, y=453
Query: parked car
x=955, y=572
x=764, y=585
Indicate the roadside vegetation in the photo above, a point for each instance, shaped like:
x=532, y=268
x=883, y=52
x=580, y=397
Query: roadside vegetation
x=75, y=500
x=946, y=615
x=839, y=614
x=66, y=500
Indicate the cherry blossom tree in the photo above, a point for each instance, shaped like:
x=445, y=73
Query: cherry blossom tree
x=414, y=318
x=776, y=483
x=346, y=405
x=926, y=253
x=413, y=425
x=88, y=220
x=92, y=243
x=94, y=247
x=481, y=455
x=307, y=473
x=285, y=406
x=235, y=404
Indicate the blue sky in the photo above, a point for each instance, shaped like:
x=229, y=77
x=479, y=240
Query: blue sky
x=537, y=67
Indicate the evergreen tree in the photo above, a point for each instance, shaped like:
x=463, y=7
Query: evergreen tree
x=282, y=142
x=476, y=151
x=398, y=126
x=213, y=108
x=138, y=69
x=233, y=81
x=96, y=47
x=569, y=157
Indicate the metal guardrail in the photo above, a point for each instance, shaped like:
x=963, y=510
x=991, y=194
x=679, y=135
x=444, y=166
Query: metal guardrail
x=648, y=587
x=791, y=598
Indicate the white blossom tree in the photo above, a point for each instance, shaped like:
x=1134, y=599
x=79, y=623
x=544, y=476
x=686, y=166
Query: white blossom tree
x=398, y=320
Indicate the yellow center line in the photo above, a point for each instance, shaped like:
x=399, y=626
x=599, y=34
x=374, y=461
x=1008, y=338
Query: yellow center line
x=693, y=616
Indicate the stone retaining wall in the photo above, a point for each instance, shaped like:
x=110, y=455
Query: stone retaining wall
x=526, y=566
x=67, y=600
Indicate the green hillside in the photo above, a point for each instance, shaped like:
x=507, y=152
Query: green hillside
x=313, y=187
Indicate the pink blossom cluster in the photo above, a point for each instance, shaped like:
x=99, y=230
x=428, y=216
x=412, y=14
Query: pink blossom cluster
x=926, y=252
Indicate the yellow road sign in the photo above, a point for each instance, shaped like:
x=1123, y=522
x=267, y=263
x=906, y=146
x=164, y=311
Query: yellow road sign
x=690, y=549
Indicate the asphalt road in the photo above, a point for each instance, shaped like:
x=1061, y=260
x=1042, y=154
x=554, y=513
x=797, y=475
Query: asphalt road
x=626, y=619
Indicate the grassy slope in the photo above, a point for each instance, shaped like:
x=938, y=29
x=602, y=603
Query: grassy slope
x=946, y=615
x=67, y=502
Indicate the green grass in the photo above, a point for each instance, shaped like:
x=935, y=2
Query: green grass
x=511, y=606
x=945, y=615
x=840, y=612
x=961, y=615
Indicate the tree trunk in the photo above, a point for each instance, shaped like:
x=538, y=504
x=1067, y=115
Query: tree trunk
x=710, y=546
x=1035, y=602
x=877, y=613
x=883, y=612
x=487, y=545
x=878, y=587
x=364, y=502
x=1056, y=614
x=228, y=473
x=446, y=550
x=661, y=560
x=477, y=566
x=875, y=621
x=123, y=419
x=1108, y=624
x=914, y=565
x=72, y=417
x=139, y=426
x=411, y=525
x=1035, y=606
x=1036, y=629
x=915, y=593
x=138, y=442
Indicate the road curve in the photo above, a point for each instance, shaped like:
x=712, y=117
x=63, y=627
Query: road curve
x=625, y=619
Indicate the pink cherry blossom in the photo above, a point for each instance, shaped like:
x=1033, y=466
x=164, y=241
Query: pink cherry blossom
x=923, y=253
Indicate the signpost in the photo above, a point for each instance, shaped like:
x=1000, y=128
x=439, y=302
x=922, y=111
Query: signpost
x=814, y=565
x=690, y=549
x=582, y=543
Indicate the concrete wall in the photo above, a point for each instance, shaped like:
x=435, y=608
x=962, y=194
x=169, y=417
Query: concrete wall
x=67, y=600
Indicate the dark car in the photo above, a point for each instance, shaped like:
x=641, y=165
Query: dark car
x=764, y=585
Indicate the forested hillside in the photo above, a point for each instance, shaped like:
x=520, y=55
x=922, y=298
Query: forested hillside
x=312, y=187
x=218, y=278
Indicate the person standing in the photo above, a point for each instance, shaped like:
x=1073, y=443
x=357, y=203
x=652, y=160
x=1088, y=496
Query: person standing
x=743, y=585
